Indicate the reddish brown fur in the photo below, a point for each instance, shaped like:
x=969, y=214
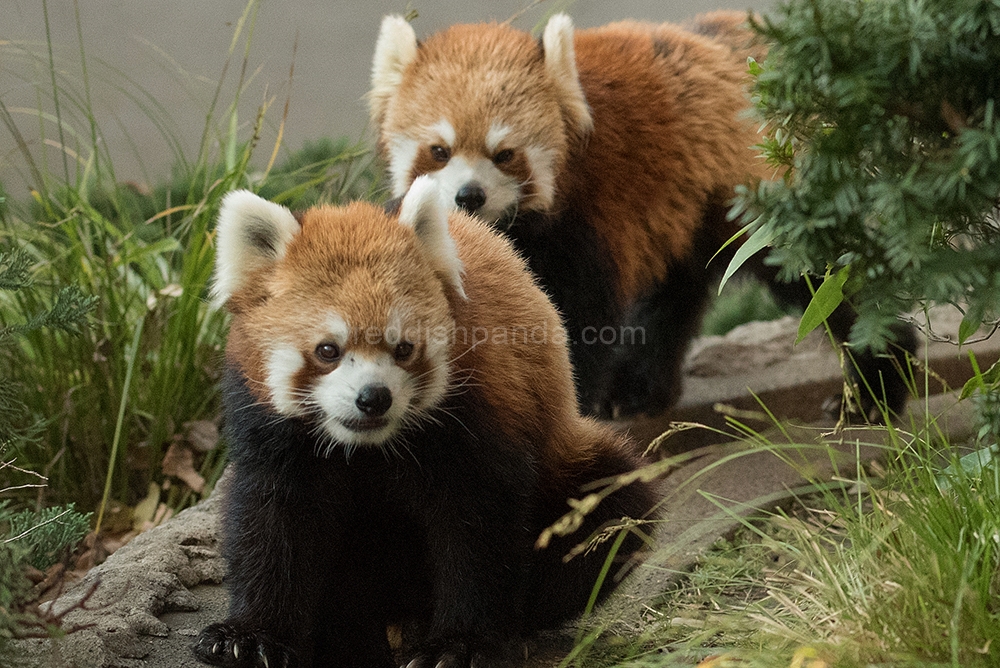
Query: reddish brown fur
x=358, y=261
x=354, y=274
x=681, y=113
x=489, y=67
x=669, y=125
x=637, y=138
x=480, y=73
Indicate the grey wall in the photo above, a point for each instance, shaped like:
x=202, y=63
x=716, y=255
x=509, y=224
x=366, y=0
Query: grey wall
x=158, y=61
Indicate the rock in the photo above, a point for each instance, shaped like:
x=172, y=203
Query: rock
x=117, y=605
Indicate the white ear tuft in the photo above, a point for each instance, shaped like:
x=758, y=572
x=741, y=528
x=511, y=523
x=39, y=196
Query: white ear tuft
x=423, y=210
x=251, y=233
x=395, y=48
x=560, y=63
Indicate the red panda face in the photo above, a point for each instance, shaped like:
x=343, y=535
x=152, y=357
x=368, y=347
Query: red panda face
x=342, y=319
x=479, y=109
x=359, y=372
x=492, y=170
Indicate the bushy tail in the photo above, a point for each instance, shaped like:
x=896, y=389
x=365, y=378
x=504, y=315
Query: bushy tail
x=583, y=509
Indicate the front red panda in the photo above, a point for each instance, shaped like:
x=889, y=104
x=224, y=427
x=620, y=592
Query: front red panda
x=402, y=424
x=609, y=157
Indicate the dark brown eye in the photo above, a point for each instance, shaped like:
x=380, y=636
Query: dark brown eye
x=403, y=351
x=440, y=153
x=328, y=353
x=503, y=156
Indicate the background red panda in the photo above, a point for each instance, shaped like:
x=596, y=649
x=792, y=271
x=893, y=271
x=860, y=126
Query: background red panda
x=402, y=424
x=609, y=156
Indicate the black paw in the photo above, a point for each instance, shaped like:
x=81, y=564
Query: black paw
x=460, y=654
x=225, y=645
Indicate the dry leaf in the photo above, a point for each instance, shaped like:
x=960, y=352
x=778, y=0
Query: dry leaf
x=202, y=435
x=179, y=462
x=163, y=513
x=720, y=661
x=142, y=514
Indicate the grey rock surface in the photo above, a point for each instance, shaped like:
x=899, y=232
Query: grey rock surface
x=124, y=608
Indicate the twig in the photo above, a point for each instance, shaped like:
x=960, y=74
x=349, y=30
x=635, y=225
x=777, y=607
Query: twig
x=16, y=487
x=47, y=620
x=10, y=464
x=925, y=328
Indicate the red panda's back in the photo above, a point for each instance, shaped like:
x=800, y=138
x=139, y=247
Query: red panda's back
x=670, y=128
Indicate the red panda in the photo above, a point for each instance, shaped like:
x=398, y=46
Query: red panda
x=609, y=157
x=402, y=423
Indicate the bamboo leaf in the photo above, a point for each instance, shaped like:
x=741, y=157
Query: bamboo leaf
x=972, y=321
x=758, y=240
x=828, y=297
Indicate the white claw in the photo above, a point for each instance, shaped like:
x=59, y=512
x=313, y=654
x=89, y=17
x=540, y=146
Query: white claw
x=217, y=648
x=263, y=656
x=236, y=650
x=440, y=664
x=413, y=664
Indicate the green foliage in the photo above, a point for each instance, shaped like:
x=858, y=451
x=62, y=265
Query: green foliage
x=825, y=301
x=36, y=539
x=322, y=171
x=68, y=311
x=884, y=117
x=13, y=587
x=917, y=575
x=114, y=396
x=984, y=389
x=741, y=302
x=150, y=277
x=43, y=538
x=155, y=283
x=46, y=535
x=101, y=403
x=988, y=409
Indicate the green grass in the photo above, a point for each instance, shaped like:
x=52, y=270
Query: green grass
x=114, y=396
x=898, y=565
x=742, y=301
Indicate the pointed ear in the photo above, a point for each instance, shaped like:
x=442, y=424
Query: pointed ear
x=423, y=211
x=560, y=63
x=395, y=49
x=251, y=234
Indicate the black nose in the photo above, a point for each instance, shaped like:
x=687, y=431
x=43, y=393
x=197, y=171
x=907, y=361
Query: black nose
x=374, y=400
x=471, y=197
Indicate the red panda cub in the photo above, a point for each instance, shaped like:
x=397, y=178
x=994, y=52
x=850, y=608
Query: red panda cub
x=402, y=422
x=609, y=157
